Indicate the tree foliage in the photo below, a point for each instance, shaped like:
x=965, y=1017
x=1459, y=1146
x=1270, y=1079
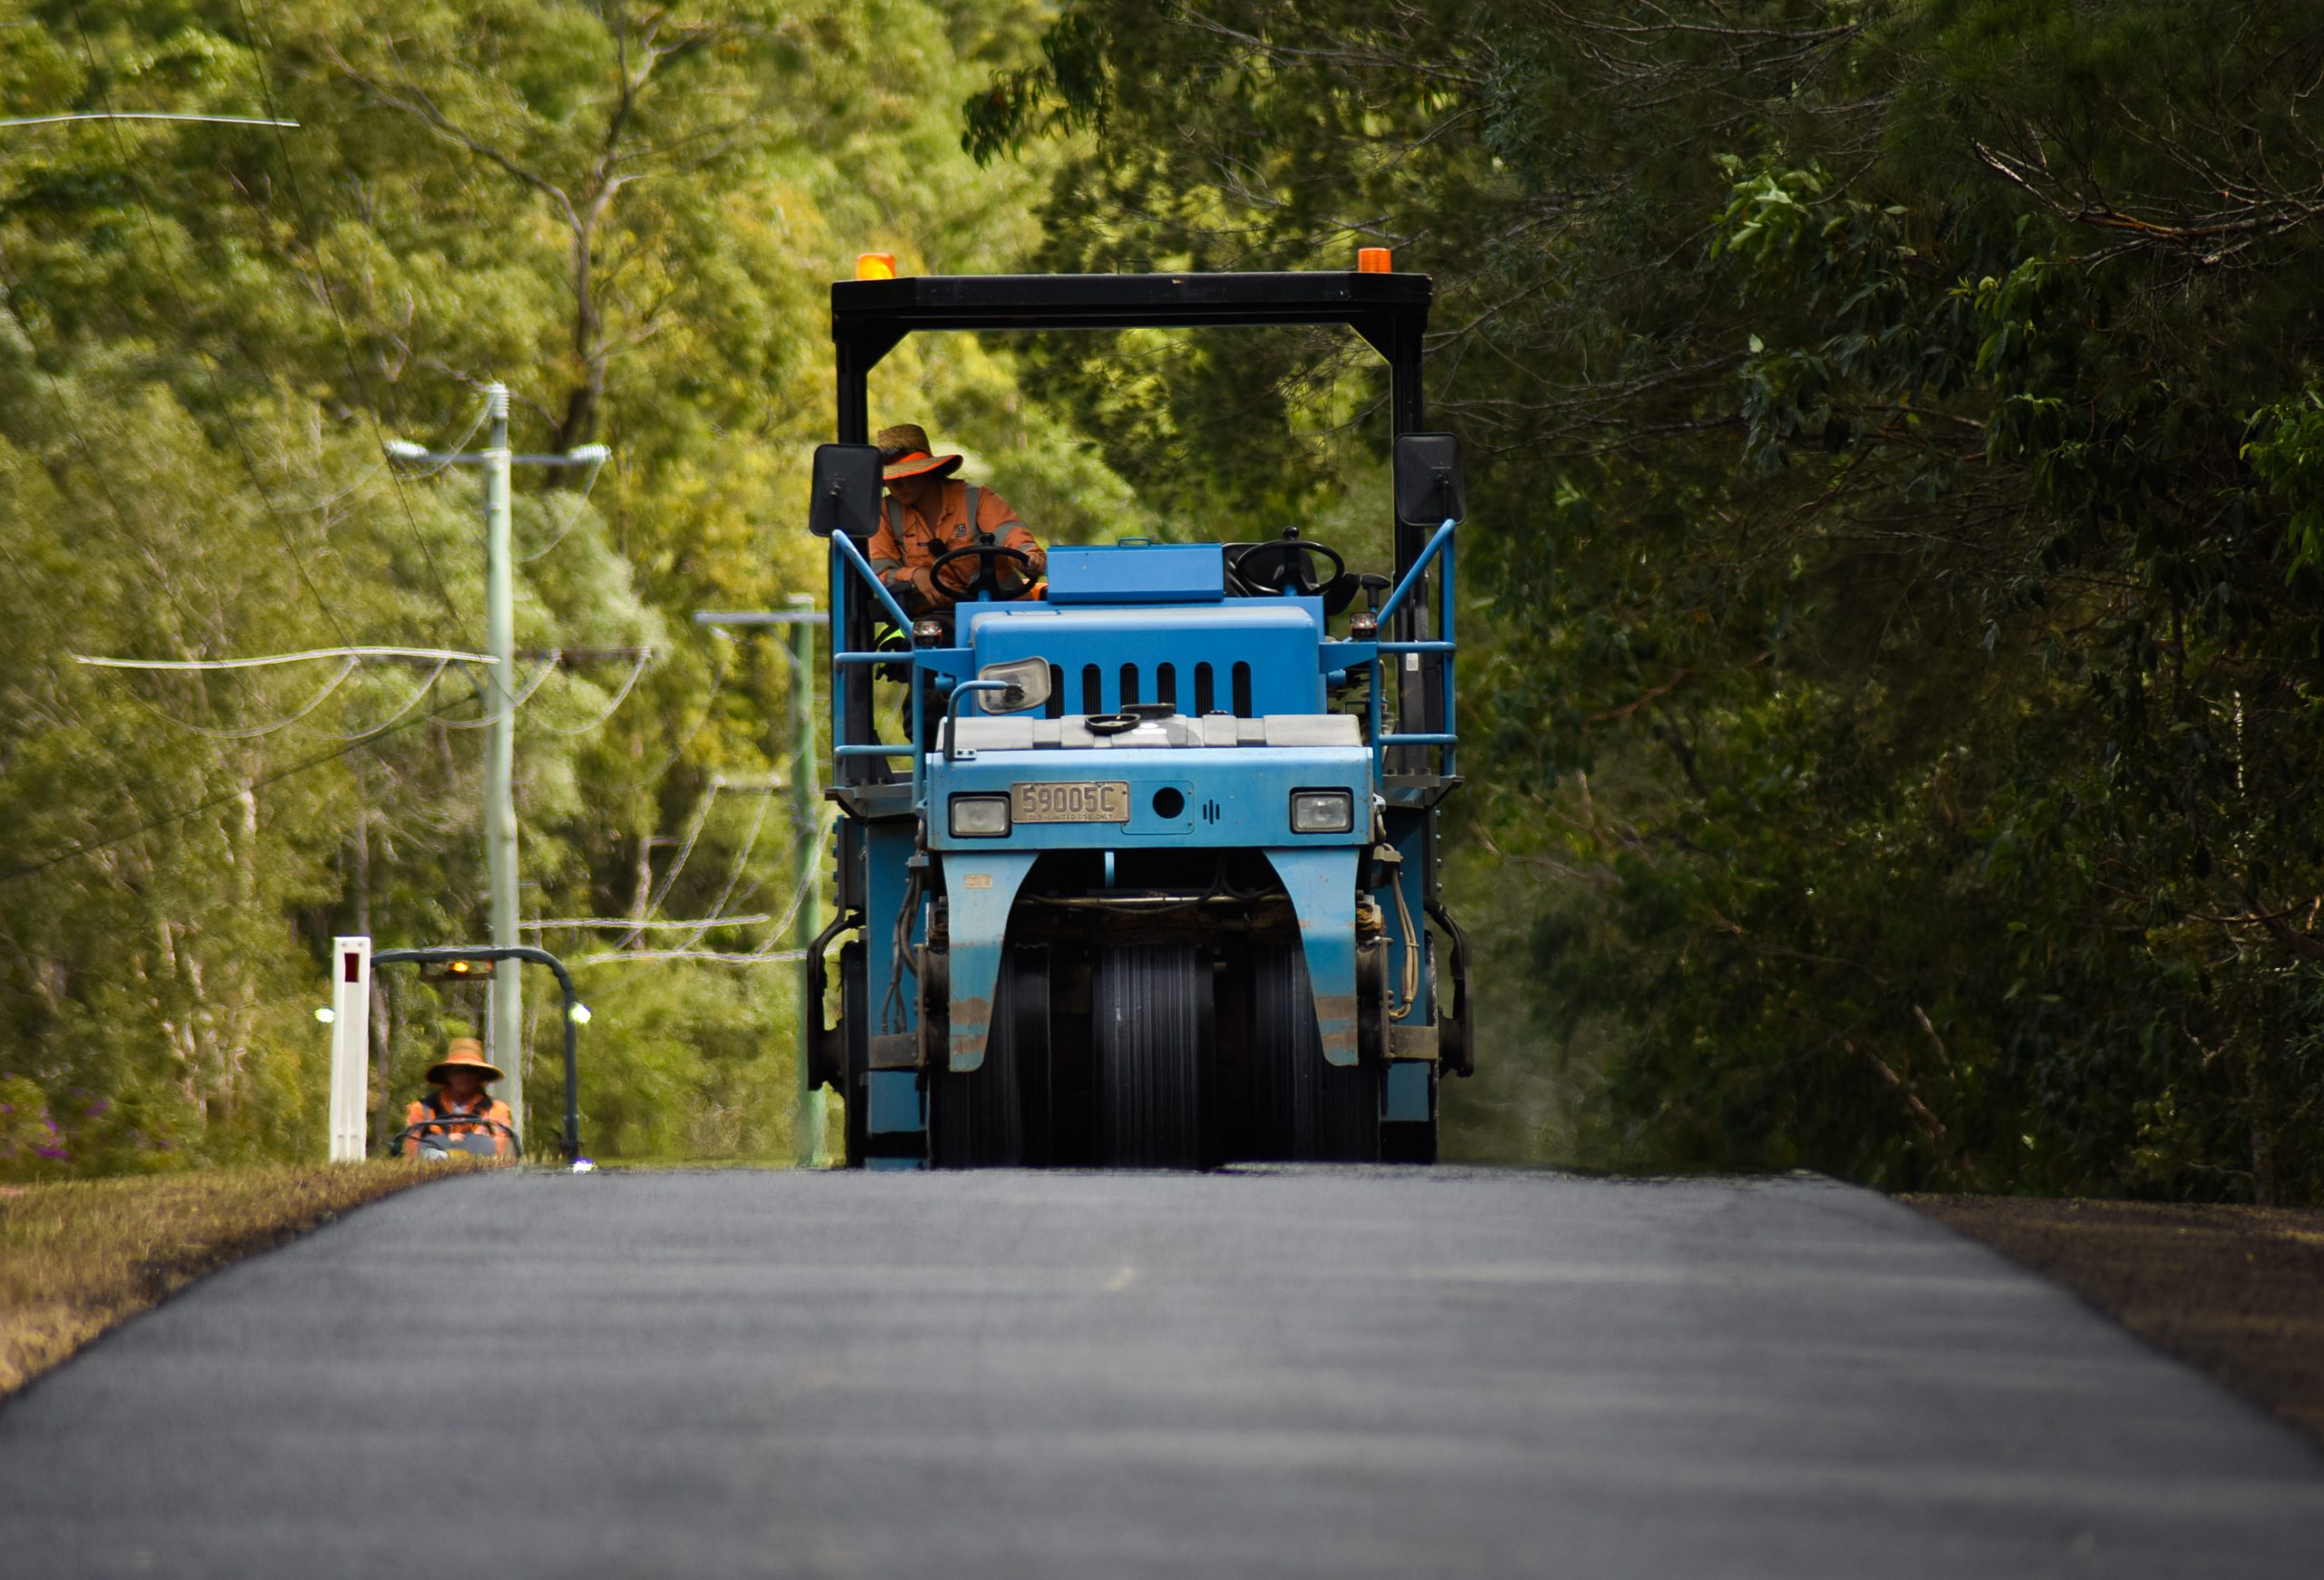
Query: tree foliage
x=630, y=214
x=1896, y=430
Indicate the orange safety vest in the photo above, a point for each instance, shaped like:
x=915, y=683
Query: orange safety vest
x=437, y=1105
x=904, y=547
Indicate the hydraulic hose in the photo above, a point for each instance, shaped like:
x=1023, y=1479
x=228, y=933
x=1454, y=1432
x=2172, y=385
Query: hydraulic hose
x=891, y=1007
x=1409, y=994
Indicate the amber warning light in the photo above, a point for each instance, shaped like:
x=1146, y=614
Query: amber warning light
x=1373, y=261
x=875, y=265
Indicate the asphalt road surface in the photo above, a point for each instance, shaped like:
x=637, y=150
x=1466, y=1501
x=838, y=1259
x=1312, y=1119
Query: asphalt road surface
x=1322, y=1372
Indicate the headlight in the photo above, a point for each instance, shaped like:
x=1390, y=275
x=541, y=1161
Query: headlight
x=979, y=816
x=1320, y=811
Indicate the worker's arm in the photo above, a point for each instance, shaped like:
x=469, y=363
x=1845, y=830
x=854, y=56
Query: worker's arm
x=910, y=584
x=413, y=1115
x=994, y=515
x=501, y=1143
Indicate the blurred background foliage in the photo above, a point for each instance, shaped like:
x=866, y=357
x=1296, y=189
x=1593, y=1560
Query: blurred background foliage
x=1895, y=430
x=631, y=215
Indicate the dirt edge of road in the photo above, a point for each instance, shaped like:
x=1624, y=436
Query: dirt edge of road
x=79, y=1256
x=2234, y=1291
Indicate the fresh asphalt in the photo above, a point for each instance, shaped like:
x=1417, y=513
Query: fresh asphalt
x=1308, y=1372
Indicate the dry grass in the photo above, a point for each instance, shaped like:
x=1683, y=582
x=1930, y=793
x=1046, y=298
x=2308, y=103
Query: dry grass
x=2235, y=1291
x=78, y=1257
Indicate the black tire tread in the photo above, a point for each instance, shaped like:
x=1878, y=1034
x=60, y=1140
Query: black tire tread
x=976, y=1118
x=1151, y=1002
x=1312, y=1110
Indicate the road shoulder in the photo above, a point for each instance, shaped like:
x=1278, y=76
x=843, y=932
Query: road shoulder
x=79, y=1256
x=2236, y=1292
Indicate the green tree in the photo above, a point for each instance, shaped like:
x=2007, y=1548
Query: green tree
x=629, y=214
x=1893, y=429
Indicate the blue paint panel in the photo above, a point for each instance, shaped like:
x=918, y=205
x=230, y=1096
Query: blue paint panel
x=1406, y=1098
x=1322, y=886
x=1277, y=638
x=894, y=1103
x=1157, y=573
x=980, y=887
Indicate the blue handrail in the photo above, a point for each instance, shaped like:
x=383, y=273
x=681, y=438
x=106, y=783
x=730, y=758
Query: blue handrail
x=847, y=559
x=1439, y=546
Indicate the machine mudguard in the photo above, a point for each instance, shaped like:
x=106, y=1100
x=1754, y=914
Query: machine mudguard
x=1320, y=884
x=980, y=888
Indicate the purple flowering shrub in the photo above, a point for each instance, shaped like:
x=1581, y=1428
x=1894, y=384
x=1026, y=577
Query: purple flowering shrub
x=75, y=1133
x=32, y=1147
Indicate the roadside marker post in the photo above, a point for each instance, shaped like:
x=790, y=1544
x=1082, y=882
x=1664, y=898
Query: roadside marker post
x=350, y=1048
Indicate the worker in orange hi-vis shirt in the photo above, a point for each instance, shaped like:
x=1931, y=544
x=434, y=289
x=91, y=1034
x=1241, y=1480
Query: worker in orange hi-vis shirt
x=459, y=1078
x=928, y=513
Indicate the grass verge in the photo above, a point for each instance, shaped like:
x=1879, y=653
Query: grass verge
x=79, y=1256
x=2234, y=1291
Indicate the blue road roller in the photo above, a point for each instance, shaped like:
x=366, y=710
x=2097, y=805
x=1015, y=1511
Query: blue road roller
x=1143, y=873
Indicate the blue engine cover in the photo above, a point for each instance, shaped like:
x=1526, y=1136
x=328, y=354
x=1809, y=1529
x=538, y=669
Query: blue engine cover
x=1262, y=651
x=1145, y=573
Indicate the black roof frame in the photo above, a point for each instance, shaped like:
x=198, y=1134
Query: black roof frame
x=870, y=317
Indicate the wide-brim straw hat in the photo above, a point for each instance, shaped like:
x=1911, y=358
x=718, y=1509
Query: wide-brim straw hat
x=464, y=1054
x=905, y=452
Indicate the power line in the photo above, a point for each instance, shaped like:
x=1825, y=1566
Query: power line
x=654, y=956
x=643, y=658
x=177, y=293
x=330, y=299
x=199, y=808
x=709, y=708
x=143, y=115
x=571, y=515
x=96, y=472
x=349, y=659
x=422, y=689
x=515, y=702
x=338, y=678
x=585, y=923
x=446, y=655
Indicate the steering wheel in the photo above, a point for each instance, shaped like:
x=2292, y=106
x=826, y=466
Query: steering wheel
x=1283, y=565
x=456, y=1143
x=985, y=554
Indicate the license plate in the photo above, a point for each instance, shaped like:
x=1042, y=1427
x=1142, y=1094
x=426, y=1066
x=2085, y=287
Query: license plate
x=1070, y=801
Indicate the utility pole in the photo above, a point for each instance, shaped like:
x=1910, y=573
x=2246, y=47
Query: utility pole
x=506, y=1029
x=806, y=817
x=506, y=1047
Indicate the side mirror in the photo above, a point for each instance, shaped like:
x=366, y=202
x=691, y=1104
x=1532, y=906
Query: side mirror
x=846, y=495
x=1429, y=490
x=1028, y=680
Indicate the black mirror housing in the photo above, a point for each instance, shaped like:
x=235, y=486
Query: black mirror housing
x=846, y=495
x=1430, y=487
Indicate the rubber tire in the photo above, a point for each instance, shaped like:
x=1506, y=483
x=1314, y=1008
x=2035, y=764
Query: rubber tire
x=1311, y=1110
x=976, y=1118
x=1151, y=1015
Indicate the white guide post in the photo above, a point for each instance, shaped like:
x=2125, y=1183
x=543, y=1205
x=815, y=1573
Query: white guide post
x=350, y=1048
